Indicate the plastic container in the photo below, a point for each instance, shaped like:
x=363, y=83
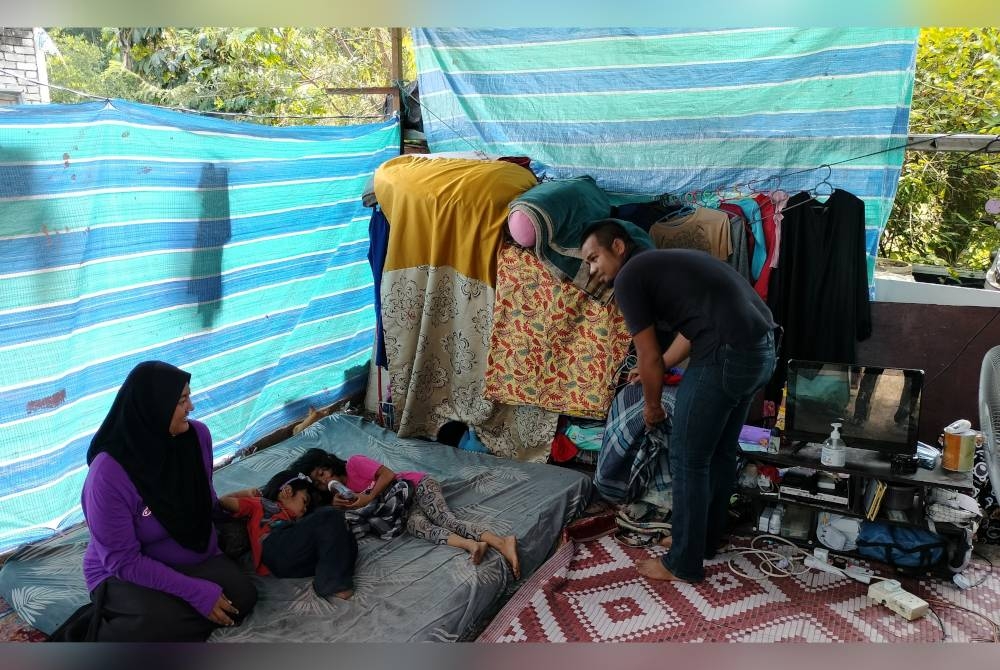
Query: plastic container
x=336, y=486
x=834, y=453
x=959, y=447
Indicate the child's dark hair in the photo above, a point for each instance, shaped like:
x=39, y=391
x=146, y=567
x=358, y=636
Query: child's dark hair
x=317, y=458
x=292, y=478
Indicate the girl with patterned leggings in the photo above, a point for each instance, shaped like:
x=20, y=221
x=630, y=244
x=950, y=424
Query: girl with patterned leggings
x=429, y=518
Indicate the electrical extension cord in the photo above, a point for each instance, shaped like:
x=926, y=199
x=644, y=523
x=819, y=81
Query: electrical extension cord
x=863, y=575
x=890, y=593
x=813, y=562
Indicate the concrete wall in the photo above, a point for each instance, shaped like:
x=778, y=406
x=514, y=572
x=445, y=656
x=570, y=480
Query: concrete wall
x=948, y=342
x=18, y=54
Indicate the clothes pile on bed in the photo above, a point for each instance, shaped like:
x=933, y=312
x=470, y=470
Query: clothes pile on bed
x=406, y=589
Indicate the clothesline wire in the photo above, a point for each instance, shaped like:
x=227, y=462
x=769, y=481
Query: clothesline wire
x=179, y=108
x=780, y=176
x=424, y=107
x=762, y=180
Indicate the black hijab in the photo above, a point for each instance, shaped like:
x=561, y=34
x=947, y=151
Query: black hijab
x=168, y=472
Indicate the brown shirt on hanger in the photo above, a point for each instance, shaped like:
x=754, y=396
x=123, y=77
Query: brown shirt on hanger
x=705, y=229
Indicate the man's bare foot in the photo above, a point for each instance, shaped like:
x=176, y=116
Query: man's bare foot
x=476, y=552
x=653, y=569
x=508, y=548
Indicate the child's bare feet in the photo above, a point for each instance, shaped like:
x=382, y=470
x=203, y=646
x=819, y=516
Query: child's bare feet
x=477, y=551
x=508, y=547
x=339, y=595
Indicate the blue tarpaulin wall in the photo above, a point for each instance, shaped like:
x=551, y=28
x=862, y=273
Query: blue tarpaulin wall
x=235, y=251
x=657, y=110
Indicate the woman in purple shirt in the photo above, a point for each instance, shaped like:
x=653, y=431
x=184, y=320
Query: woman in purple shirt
x=153, y=565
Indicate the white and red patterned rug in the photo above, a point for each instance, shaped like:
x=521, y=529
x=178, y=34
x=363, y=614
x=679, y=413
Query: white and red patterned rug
x=591, y=592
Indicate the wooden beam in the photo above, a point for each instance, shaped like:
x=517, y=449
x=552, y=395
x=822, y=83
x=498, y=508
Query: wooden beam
x=363, y=90
x=396, y=65
x=967, y=143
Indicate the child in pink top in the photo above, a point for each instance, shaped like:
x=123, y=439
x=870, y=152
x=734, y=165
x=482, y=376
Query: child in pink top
x=429, y=518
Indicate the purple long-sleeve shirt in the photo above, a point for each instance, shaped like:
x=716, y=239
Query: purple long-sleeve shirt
x=127, y=542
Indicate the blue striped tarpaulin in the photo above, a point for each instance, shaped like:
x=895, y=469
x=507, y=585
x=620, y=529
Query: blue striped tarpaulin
x=651, y=111
x=235, y=251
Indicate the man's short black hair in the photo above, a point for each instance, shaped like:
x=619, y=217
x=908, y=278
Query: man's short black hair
x=607, y=231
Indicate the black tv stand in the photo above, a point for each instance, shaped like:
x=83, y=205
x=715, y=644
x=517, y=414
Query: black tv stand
x=862, y=464
x=797, y=446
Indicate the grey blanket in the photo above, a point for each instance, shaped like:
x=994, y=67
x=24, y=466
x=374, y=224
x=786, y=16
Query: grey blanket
x=406, y=589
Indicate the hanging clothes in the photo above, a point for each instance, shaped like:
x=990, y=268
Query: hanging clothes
x=767, y=221
x=740, y=258
x=734, y=210
x=779, y=199
x=751, y=212
x=378, y=236
x=819, y=292
x=705, y=229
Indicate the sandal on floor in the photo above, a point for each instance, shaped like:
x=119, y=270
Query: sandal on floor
x=646, y=527
x=635, y=540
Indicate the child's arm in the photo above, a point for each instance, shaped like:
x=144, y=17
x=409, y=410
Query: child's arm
x=244, y=493
x=383, y=477
x=231, y=503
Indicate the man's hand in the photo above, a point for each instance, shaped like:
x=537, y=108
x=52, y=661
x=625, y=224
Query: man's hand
x=653, y=415
x=223, y=611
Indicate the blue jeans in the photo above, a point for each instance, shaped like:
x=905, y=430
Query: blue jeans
x=712, y=404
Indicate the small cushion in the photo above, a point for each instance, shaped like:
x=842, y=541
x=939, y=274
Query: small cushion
x=521, y=229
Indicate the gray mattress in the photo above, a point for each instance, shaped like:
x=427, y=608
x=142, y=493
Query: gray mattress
x=406, y=589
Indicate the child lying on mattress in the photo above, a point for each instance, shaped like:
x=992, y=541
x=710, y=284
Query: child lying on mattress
x=286, y=543
x=429, y=516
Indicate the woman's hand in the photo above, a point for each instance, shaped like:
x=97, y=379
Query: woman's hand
x=222, y=612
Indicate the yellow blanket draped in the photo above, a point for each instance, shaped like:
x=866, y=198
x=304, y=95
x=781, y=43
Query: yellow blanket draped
x=448, y=211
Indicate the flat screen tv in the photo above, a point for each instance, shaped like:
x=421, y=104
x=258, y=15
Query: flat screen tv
x=879, y=407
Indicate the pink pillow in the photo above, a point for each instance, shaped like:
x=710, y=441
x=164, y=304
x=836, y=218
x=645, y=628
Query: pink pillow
x=521, y=229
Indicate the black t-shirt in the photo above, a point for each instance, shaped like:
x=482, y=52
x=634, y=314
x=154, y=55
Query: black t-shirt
x=693, y=293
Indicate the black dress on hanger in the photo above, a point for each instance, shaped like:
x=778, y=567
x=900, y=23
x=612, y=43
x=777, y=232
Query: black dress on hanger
x=820, y=293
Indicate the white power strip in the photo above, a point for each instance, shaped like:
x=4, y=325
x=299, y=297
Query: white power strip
x=890, y=593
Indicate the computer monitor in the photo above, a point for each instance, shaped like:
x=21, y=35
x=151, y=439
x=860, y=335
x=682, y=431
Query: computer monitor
x=879, y=407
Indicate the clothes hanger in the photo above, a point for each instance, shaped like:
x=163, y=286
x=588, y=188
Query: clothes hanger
x=816, y=192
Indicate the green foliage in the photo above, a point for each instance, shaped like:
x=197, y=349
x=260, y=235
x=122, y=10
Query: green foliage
x=282, y=72
x=78, y=66
x=938, y=216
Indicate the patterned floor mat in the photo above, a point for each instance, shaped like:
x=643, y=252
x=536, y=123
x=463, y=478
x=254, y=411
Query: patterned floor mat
x=591, y=592
x=13, y=628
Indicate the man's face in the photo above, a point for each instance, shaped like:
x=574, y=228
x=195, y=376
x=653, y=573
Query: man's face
x=604, y=263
